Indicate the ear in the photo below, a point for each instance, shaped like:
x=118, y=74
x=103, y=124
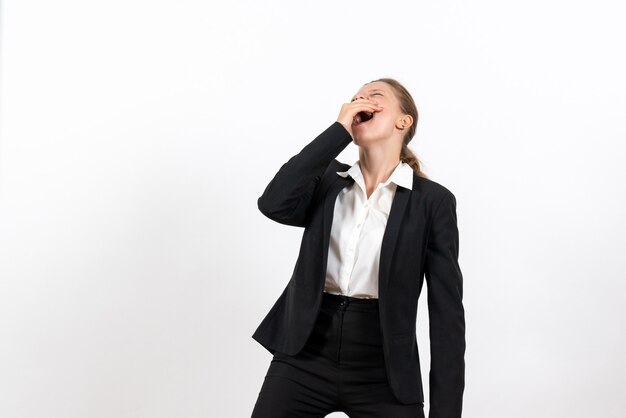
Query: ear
x=404, y=122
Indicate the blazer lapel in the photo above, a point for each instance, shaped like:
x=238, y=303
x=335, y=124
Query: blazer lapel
x=390, y=237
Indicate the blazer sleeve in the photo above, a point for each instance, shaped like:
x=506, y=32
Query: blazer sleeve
x=287, y=197
x=446, y=313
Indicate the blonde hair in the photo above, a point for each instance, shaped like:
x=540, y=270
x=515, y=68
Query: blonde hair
x=407, y=105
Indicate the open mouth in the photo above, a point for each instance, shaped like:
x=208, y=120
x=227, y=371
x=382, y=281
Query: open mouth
x=362, y=117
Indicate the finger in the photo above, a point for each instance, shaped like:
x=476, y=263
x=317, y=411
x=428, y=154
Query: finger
x=366, y=104
x=366, y=107
x=362, y=101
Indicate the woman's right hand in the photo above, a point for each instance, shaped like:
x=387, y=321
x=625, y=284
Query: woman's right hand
x=349, y=111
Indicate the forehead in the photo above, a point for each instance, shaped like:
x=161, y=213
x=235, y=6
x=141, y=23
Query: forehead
x=374, y=87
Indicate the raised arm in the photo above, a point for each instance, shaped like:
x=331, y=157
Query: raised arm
x=287, y=197
x=446, y=313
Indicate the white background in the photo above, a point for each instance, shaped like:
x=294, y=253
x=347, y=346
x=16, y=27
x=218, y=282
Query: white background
x=137, y=135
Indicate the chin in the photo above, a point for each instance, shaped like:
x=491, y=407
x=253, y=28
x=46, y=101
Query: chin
x=363, y=137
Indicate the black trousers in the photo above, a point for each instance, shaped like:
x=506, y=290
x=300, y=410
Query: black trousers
x=340, y=369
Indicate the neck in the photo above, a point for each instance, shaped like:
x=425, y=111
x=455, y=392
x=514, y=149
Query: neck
x=377, y=167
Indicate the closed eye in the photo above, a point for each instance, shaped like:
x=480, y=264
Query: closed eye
x=373, y=94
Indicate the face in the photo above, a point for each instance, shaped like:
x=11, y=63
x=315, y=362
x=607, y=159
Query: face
x=386, y=123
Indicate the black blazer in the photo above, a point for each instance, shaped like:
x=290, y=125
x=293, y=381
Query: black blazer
x=421, y=238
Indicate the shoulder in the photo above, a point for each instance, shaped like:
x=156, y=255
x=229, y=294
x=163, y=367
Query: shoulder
x=432, y=192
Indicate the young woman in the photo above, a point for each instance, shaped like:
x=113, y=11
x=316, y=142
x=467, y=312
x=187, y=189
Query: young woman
x=342, y=333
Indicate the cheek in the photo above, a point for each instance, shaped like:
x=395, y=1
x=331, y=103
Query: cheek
x=386, y=119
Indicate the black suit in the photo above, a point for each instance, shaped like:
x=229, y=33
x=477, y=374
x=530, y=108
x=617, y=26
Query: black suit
x=421, y=238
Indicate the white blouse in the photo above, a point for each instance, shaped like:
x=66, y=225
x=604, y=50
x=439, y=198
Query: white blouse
x=357, y=232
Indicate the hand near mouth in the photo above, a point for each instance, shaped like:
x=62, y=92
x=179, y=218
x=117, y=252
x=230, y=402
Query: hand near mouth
x=356, y=112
